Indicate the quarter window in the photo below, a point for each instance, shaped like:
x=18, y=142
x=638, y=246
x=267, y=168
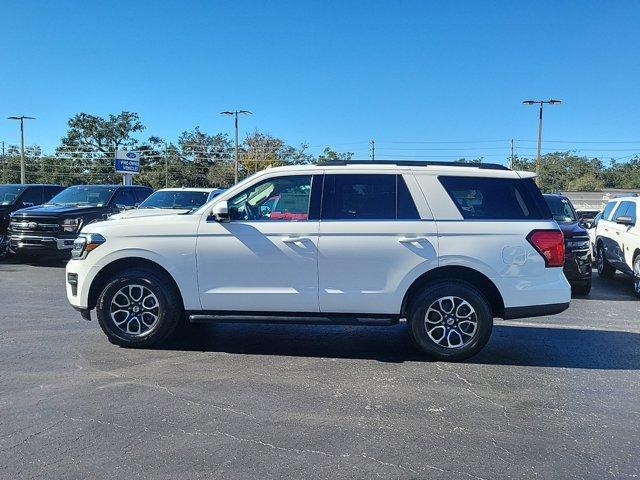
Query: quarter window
x=281, y=198
x=496, y=198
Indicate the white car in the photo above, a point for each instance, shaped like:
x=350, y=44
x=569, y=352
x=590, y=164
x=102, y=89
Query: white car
x=618, y=240
x=447, y=247
x=169, y=201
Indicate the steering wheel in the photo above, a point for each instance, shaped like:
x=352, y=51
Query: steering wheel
x=249, y=211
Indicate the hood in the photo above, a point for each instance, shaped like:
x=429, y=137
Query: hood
x=147, y=212
x=52, y=210
x=573, y=229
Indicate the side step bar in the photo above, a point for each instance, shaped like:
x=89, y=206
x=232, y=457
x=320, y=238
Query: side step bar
x=292, y=318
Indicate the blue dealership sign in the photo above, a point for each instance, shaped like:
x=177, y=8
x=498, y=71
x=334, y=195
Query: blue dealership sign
x=127, y=162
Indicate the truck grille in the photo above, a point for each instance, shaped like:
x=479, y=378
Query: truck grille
x=34, y=226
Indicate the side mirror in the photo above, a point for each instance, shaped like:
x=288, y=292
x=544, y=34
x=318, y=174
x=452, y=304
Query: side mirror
x=220, y=212
x=625, y=220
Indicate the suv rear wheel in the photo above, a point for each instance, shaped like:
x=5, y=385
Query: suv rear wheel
x=139, y=308
x=605, y=269
x=450, y=320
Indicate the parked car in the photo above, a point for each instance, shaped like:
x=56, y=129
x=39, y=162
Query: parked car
x=446, y=246
x=591, y=230
x=16, y=196
x=168, y=201
x=50, y=229
x=618, y=240
x=578, y=262
x=586, y=215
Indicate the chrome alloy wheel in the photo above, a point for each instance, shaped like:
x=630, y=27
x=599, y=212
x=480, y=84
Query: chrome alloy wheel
x=451, y=322
x=636, y=275
x=135, y=310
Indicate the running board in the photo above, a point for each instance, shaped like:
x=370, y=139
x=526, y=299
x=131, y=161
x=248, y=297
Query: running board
x=292, y=318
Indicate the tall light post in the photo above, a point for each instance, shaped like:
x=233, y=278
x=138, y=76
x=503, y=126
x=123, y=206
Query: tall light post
x=22, y=118
x=541, y=103
x=235, y=113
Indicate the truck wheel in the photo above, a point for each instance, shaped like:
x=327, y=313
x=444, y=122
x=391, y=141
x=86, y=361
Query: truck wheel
x=450, y=320
x=139, y=308
x=605, y=269
x=581, y=289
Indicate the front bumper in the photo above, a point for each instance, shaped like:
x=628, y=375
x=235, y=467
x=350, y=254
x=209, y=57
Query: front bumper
x=43, y=243
x=78, y=278
x=578, y=265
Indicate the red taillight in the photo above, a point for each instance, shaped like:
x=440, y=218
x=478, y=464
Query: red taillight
x=550, y=244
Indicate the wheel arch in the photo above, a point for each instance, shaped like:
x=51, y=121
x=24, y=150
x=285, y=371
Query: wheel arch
x=453, y=272
x=120, y=264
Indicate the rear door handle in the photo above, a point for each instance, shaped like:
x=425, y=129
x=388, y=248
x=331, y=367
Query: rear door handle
x=412, y=239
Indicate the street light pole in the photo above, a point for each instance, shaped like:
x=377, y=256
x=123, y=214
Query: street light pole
x=541, y=103
x=235, y=113
x=22, y=118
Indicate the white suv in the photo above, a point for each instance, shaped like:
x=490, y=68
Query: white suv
x=447, y=247
x=618, y=240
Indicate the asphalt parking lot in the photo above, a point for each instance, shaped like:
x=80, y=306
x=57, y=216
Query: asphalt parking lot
x=552, y=397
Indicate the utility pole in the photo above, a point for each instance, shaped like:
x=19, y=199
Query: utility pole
x=235, y=113
x=541, y=103
x=166, y=166
x=373, y=149
x=3, y=164
x=22, y=118
x=512, y=154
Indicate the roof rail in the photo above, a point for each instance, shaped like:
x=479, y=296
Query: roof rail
x=414, y=163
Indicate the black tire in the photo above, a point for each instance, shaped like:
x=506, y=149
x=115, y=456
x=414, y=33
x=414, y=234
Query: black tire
x=636, y=275
x=169, y=312
x=605, y=269
x=418, y=325
x=581, y=289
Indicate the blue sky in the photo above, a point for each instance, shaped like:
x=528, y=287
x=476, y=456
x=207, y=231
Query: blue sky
x=333, y=73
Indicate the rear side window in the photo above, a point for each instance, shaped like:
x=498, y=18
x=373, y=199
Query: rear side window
x=479, y=198
x=125, y=198
x=606, y=213
x=367, y=197
x=142, y=194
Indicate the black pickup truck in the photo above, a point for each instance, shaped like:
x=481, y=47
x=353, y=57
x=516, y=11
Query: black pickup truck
x=16, y=196
x=50, y=229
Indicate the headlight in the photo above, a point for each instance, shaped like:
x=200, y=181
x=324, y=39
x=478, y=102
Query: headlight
x=71, y=224
x=85, y=244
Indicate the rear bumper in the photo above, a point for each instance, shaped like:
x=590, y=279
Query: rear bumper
x=511, y=313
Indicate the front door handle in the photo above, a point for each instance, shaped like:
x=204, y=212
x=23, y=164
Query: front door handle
x=412, y=239
x=294, y=239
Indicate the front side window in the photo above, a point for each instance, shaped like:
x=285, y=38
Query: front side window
x=367, y=197
x=125, y=198
x=482, y=198
x=280, y=198
x=626, y=209
x=33, y=196
x=95, y=196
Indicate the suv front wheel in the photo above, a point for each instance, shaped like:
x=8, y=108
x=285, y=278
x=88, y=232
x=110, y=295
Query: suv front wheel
x=605, y=269
x=139, y=308
x=450, y=320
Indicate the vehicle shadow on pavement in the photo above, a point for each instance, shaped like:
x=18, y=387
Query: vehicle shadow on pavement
x=509, y=345
x=7, y=262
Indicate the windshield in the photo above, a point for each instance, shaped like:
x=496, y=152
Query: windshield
x=175, y=199
x=95, y=196
x=9, y=193
x=561, y=209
